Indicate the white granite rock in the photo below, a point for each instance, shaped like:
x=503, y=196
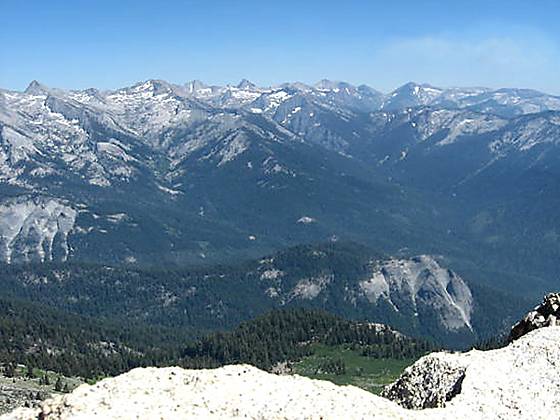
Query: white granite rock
x=519, y=381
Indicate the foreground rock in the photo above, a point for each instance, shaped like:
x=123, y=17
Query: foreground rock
x=430, y=382
x=518, y=381
x=547, y=314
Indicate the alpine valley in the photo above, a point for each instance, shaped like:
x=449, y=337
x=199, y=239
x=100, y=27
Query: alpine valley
x=199, y=207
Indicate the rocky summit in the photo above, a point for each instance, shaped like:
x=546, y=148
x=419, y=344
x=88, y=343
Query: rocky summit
x=519, y=381
x=544, y=315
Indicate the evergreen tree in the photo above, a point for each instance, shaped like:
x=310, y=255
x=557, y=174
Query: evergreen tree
x=45, y=380
x=59, y=386
x=10, y=370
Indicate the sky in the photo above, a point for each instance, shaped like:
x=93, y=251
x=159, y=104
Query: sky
x=77, y=44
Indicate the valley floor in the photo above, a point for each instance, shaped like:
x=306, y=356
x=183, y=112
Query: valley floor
x=344, y=366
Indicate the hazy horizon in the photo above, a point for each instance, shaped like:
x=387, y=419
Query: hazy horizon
x=106, y=45
x=277, y=84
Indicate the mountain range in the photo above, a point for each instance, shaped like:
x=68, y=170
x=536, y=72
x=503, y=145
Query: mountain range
x=165, y=174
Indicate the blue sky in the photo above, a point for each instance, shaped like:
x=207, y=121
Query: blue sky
x=108, y=44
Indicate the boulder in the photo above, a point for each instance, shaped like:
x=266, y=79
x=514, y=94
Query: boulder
x=428, y=384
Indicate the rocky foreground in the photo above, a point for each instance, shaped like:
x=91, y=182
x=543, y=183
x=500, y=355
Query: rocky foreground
x=518, y=381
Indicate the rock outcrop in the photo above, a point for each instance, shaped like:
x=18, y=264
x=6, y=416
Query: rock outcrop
x=430, y=383
x=435, y=293
x=546, y=314
x=518, y=381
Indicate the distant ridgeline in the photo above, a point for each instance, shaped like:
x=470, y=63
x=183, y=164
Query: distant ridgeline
x=417, y=296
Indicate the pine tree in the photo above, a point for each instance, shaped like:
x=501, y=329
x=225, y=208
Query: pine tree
x=10, y=370
x=59, y=386
x=45, y=380
x=30, y=373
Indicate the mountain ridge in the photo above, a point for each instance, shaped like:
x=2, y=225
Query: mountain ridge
x=419, y=296
x=228, y=172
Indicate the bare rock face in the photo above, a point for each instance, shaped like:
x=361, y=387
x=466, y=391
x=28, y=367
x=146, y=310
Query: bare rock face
x=519, y=381
x=429, y=384
x=422, y=284
x=35, y=229
x=544, y=315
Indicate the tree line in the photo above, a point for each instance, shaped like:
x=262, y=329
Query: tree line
x=43, y=338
